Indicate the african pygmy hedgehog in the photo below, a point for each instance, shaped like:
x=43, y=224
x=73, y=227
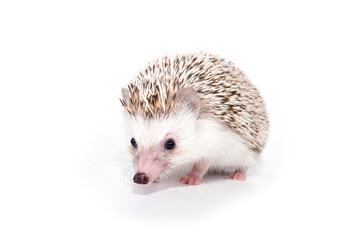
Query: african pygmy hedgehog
x=196, y=109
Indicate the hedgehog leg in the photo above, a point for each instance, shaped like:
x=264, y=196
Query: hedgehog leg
x=239, y=174
x=198, y=171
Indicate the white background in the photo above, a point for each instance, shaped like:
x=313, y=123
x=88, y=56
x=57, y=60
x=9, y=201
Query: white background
x=62, y=152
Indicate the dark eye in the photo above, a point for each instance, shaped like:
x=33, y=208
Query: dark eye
x=170, y=144
x=133, y=142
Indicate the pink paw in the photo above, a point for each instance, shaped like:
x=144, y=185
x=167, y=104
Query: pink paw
x=237, y=176
x=191, y=179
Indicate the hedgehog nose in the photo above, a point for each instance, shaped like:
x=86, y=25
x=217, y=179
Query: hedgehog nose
x=141, y=178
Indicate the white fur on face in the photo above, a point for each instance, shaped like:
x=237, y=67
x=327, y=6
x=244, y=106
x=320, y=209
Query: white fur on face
x=150, y=132
x=150, y=156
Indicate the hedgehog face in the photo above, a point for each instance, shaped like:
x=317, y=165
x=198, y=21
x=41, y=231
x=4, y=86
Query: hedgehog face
x=153, y=158
x=157, y=144
x=161, y=140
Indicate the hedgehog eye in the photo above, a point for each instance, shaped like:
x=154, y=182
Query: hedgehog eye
x=170, y=144
x=133, y=142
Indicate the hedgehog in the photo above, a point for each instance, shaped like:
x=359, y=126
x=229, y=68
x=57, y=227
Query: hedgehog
x=196, y=110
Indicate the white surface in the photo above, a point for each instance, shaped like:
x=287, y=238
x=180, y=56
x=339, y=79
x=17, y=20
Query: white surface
x=62, y=66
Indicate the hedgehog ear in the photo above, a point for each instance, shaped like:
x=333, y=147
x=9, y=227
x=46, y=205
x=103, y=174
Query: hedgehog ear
x=190, y=97
x=125, y=96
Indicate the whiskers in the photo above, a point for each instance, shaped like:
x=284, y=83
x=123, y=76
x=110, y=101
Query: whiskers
x=127, y=175
x=125, y=166
x=171, y=168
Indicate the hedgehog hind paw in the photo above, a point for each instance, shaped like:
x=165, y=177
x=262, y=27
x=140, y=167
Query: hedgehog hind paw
x=238, y=174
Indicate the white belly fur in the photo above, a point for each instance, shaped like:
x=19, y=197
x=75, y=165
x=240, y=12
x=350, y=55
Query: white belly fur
x=224, y=149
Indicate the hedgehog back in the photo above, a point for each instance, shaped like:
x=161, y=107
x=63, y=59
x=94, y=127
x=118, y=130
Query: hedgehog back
x=225, y=92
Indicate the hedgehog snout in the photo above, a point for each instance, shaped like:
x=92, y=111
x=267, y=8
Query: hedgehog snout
x=141, y=178
x=147, y=170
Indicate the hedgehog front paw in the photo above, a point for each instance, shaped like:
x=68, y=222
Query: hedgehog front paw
x=191, y=179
